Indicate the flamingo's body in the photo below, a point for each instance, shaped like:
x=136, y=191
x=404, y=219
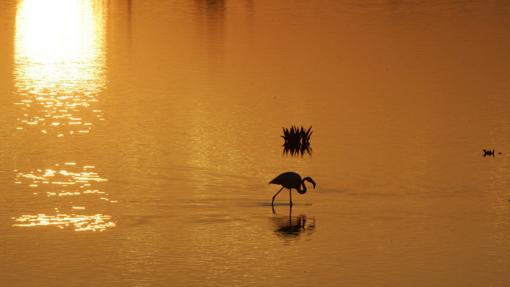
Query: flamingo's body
x=291, y=180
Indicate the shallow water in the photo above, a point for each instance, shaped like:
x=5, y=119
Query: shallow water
x=137, y=141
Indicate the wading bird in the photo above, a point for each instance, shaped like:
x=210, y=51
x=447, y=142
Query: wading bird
x=291, y=180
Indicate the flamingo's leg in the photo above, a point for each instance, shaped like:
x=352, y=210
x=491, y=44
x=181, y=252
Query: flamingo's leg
x=272, y=202
x=290, y=196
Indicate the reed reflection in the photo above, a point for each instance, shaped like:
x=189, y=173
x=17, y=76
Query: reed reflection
x=70, y=188
x=59, y=65
x=297, y=141
x=214, y=10
x=211, y=22
x=294, y=226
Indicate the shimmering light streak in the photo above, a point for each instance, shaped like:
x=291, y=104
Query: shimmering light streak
x=59, y=65
x=96, y=222
x=66, y=185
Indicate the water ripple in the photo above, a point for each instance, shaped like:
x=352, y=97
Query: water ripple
x=71, y=187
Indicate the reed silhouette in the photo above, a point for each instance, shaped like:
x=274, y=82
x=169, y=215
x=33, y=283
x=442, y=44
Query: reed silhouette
x=291, y=180
x=297, y=140
x=489, y=152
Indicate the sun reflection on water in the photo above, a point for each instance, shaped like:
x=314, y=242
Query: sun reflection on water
x=72, y=188
x=97, y=222
x=63, y=180
x=59, y=65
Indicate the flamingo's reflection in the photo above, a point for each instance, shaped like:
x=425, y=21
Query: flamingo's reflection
x=294, y=225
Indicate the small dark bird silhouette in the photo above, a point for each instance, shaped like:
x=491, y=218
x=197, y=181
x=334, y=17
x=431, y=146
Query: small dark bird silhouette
x=291, y=180
x=488, y=152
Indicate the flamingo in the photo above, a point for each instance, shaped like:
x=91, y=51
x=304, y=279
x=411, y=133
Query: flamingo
x=291, y=180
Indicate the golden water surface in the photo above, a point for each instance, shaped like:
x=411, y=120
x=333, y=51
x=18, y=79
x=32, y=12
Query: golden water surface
x=137, y=139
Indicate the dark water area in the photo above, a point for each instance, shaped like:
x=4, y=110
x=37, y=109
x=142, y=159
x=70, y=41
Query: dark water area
x=137, y=140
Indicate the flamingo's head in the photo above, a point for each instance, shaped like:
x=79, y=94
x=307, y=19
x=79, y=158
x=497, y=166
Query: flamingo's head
x=309, y=179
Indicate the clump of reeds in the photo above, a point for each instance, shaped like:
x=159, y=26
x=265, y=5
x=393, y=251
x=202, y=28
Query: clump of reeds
x=297, y=140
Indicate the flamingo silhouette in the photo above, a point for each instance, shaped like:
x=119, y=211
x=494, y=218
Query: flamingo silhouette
x=291, y=180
